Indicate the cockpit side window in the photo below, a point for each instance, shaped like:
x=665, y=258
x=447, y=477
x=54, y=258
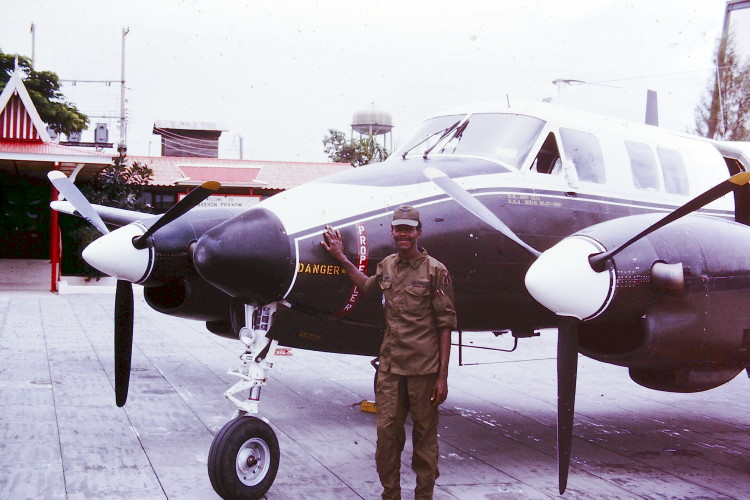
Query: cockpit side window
x=547, y=161
x=643, y=166
x=673, y=170
x=583, y=150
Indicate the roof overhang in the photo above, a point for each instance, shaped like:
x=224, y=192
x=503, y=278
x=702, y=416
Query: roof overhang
x=35, y=160
x=72, y=158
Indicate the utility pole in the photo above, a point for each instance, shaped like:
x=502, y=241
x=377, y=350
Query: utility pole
x=123, y=146
x=33, y=44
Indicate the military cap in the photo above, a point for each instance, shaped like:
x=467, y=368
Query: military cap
x=405, y=215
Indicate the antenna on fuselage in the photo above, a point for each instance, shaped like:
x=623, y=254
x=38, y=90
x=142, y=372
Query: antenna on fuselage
x=652, y=108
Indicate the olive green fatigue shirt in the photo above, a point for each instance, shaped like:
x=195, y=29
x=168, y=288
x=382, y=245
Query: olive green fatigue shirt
x=418, y=302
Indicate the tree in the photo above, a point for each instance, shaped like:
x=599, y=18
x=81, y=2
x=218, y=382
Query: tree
x=120, y=185
x=724, y=112
x=358, y=152
x=44, y=90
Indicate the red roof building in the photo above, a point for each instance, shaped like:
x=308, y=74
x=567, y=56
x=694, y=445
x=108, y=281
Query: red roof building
x=26, y=146
x=29, y=229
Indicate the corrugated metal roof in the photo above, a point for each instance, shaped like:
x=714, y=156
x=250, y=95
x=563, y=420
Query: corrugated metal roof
x=286, y=175
x=228, y=175
x=185, y=125
x=173, y=171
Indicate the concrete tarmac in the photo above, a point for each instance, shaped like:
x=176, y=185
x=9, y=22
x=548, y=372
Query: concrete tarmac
x=62, y=437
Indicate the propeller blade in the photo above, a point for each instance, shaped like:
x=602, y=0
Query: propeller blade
x=599, y=261
x=466, y=200
x=567, y=371
x=76, y=198
x=191, y=200
x=123, y=339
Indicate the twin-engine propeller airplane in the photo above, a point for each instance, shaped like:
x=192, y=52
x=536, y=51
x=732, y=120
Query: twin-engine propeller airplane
x=575, y=226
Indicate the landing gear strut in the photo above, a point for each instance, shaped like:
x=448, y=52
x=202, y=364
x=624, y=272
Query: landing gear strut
x=244, y=455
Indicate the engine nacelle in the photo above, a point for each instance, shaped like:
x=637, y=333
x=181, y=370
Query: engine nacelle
x=191, y=298
x=685, y=285
x=683, y=379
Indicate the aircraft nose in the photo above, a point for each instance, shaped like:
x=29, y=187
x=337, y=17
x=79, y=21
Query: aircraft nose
x=249, y=257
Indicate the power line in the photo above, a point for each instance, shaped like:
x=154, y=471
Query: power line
x=179, y=137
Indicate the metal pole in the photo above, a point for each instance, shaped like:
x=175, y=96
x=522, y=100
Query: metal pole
x=54, y=241
x=460, y=348
x=731, y=6
x=123, y=124
x=33, y=44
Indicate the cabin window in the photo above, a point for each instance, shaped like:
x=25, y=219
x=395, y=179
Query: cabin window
x=583, y=150
x=547, y=161
x=504, y=137
x=673, y=170
x=642, y=165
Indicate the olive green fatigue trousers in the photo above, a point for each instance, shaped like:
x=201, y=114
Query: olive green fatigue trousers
x=395, y=397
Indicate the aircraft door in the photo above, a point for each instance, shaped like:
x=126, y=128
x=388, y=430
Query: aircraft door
x=547, y=160
x=580, y=158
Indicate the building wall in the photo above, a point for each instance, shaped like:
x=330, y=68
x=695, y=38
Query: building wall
x=189, y=143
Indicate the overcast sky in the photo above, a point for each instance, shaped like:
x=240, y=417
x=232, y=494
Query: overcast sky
x=279, y=74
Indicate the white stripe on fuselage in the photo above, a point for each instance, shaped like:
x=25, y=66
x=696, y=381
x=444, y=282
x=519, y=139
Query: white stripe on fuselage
x=312, y=206
x=306, y=210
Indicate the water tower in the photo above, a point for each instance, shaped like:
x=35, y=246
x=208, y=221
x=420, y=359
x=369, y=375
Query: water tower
x=373, y=122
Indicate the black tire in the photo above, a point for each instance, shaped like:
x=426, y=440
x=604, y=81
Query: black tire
x=243, y=459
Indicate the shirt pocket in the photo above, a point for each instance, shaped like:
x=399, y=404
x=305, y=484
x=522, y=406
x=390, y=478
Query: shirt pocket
x=417, y=302
x=417, y=291
x=385, y=288
x=416, y=295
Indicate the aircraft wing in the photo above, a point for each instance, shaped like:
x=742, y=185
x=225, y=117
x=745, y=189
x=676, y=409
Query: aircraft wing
x=110, y=215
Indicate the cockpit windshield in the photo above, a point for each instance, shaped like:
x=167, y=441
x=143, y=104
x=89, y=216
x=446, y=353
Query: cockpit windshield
x=506, y=138
x=428, y=135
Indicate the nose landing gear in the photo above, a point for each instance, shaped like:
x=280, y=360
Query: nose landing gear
x=244, y=455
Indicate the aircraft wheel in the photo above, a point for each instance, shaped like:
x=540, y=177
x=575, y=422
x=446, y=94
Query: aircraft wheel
x=243, y=459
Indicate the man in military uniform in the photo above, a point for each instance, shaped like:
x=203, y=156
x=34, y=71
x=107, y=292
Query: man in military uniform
x=414, y=355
